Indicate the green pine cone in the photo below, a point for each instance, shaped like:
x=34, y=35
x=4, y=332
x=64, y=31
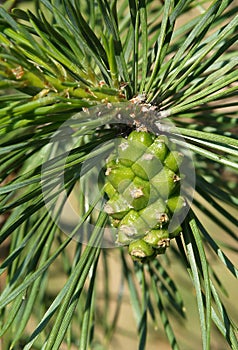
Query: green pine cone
x=143, y=189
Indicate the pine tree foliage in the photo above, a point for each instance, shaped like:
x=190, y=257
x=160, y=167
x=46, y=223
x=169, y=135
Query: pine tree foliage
x=68, y=56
